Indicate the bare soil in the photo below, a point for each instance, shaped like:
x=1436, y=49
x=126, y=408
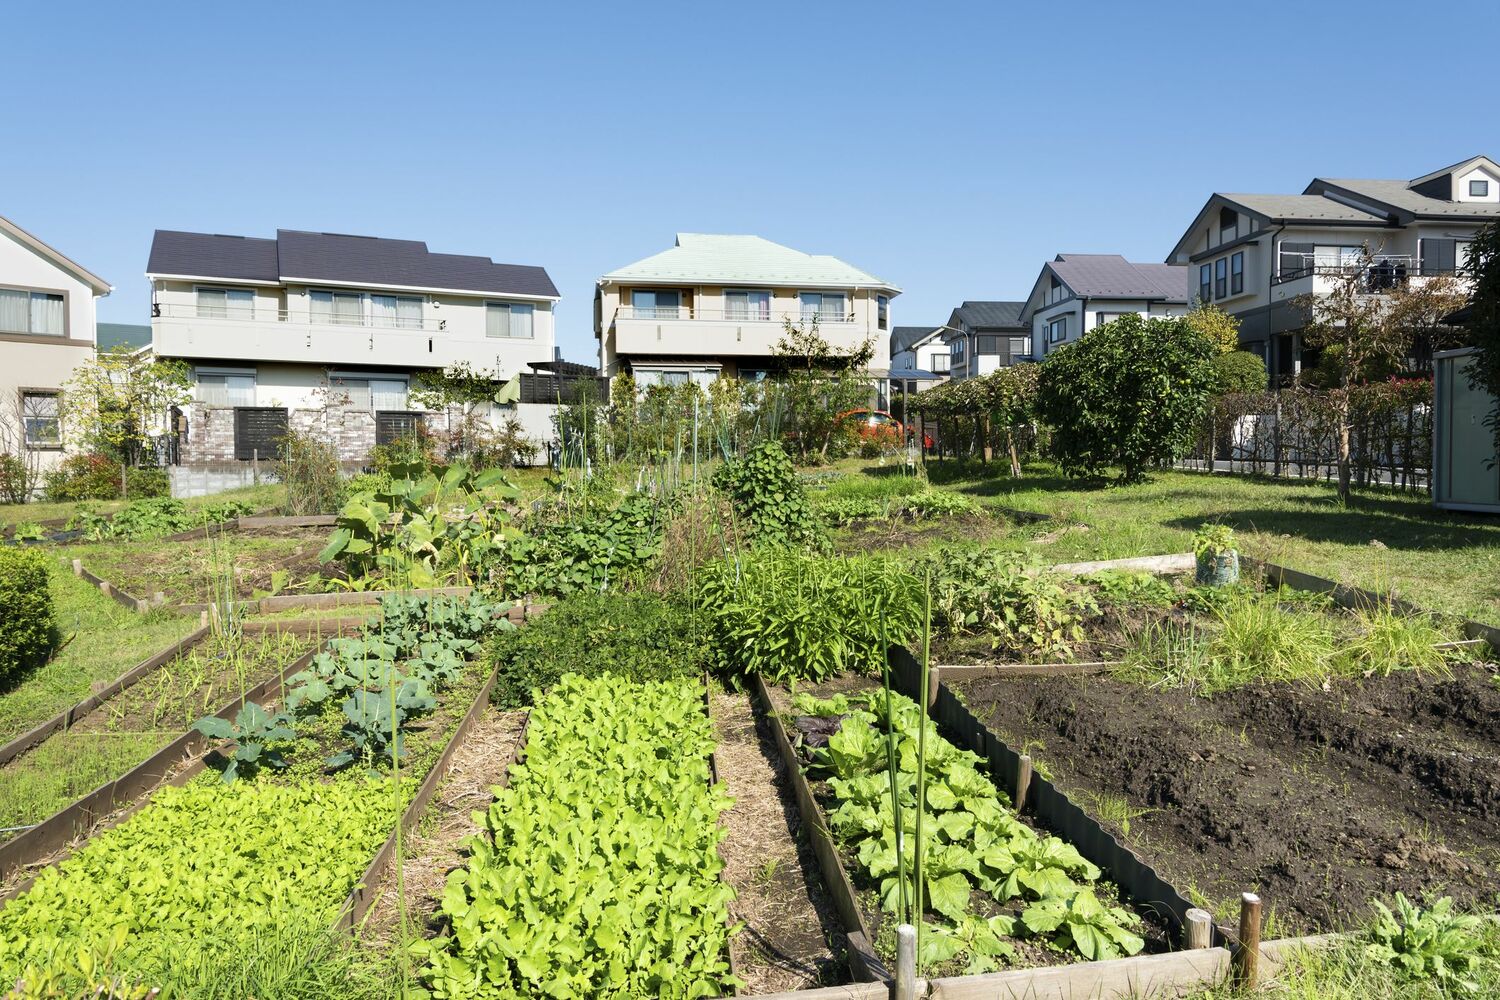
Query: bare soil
x=187, y=572
x=791, y=938
x=1318, y=799
x=896, y=534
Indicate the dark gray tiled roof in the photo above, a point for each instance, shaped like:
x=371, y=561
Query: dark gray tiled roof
x=991, y=315
x=367, y=260
x=903, y=338
x=1108, y=275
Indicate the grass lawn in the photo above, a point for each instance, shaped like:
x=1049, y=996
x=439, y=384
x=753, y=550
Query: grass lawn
x=103, y=640
x=1382, y=540
x=264, y=496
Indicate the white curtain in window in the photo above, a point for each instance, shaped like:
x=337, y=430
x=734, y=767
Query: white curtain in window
x=340, y=308
x=508, y=319
x=387, y=394
x=47, y=314
x=831, y=310
x=401, y=311
x=747, y=305
x=15, y=311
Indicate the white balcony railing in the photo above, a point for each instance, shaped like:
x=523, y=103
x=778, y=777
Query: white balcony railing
x=732, y=315
x=253, y=314
x=1381, y=273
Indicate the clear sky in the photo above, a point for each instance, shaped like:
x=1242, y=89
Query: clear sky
x=949, y=148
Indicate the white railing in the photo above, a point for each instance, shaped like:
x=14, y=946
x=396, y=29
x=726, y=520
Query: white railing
x=1381, y=271
x=732, y=315
x=256, y=314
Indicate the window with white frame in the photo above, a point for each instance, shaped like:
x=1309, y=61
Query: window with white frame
x=25, y=311
x=226, y=388
x=673, y=376
x=656, y=303
x=369, y=393
x=404, y=312
x=956, y=347
x=747, y=304
x=1020, y=347
x=41, y=419
x=825, y=307
x=338, y=308
x=226, y=303
x=1101, y=318
x=513, y=320
x=1057, y=330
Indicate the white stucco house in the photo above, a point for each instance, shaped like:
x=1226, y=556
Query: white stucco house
x=325, y=333
x=1077, y=292
x=713, y=304
x=983, y=336
x=1255, y=255
x=47, y=310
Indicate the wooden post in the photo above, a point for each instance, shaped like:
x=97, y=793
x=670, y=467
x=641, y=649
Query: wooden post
x=1198, y=930
x=906, y=962
x=77, y=567
x=1023, y=782
x=1247, y=957
x=203, y=619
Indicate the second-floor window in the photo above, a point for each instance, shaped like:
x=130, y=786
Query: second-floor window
x=939, y=363
x=1057, y=330
x=1205, y=282
x=1221, y=278
x=1101, y=318
x=1236, y=273
x=882, y=311
x=987, y=344
x=404, y=312
x=825, y=307
x=226, y=303
x=655, y=303
x=25, y=311
x=1479, y=189
x=747, y=304
x=956, y=348
x=1020, y=347
x=338, y=308
x=509, y=319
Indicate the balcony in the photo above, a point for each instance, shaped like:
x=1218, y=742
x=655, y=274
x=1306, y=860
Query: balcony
x=745, y=332
x=1321, y=273
x=254, y=334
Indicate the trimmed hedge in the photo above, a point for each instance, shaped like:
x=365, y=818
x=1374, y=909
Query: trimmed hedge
x=636, y=636
x=26, y=624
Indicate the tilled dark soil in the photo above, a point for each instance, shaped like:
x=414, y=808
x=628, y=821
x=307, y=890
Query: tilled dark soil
x=1318, y=799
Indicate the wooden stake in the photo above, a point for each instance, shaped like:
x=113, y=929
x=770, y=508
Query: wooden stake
x=906, y=962
x=1247, y=957
x=77, y=567
x=1198, y=930
x=1023, y=781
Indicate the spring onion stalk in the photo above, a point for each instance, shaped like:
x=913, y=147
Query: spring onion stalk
x=892, y=769
x=922, y=744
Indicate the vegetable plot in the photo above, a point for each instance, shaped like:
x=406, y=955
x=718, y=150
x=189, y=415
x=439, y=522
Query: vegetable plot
x=975, y=844
x=205, y=866
x=599, y=876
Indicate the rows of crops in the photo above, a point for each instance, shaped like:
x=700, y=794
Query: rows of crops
x=282, y=833
x=600, y=874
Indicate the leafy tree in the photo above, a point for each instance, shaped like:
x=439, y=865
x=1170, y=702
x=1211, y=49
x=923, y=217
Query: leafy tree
x=818, y=381
x=1483, y=323
x=1366, y=335
x=1240, y=371
x=1216, y=326
x=117, y=401
x=1129, y=394
x=458, y=391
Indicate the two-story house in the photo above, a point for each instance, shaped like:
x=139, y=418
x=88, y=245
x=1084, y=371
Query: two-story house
x=46, y=331
x=324, y=333
x=982, y=337
x=715, y=304
x=919, y=348
x=1255, y=255
x=1077, y=292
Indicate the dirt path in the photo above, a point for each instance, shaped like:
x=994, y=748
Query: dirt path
x=1319, y=799
x=788, y=919
x=437, y=846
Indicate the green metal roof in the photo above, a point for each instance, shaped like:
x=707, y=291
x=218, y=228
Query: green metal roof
x=744, y=260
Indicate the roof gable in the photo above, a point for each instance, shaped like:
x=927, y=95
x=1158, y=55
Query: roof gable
x=336, y=257
x=1108, y=275
x=743, y=260
x=990, y=315
x=905, y=338
x=56, y=257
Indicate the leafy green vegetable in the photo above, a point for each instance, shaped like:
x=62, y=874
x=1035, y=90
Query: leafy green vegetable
x=1020, y=605
x=598, y=873
x=1078, y=920
x=1429, y=944
x=253, y=731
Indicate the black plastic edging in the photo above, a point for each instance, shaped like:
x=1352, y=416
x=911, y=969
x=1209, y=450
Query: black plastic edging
x=58, y=830
x=1137, y=880
x=713, y=779
x=864, y=964
x=68, y=716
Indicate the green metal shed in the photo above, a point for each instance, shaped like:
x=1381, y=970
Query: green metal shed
x=1465, y=466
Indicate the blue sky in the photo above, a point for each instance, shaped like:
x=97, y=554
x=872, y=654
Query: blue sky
x=950, y=148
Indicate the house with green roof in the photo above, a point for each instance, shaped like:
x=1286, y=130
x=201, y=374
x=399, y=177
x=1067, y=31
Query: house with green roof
x=717, y=304
x=1256, y=255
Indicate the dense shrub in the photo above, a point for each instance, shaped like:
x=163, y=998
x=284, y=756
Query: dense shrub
x=309, y=469
x=637, y=636
x=1002, y=595
x=790, y=615
x=409, y=449
x=26, y=626
x=1240, y=371
x=84, y=477
x=1129, y=394
x=18, y=479
x=769, y=500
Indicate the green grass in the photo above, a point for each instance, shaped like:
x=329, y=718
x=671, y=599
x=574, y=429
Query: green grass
x=263, y=496
x=1382, y=540
x=103, y=640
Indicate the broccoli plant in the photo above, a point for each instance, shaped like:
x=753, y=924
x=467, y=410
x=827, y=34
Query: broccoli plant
x=254, y=732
